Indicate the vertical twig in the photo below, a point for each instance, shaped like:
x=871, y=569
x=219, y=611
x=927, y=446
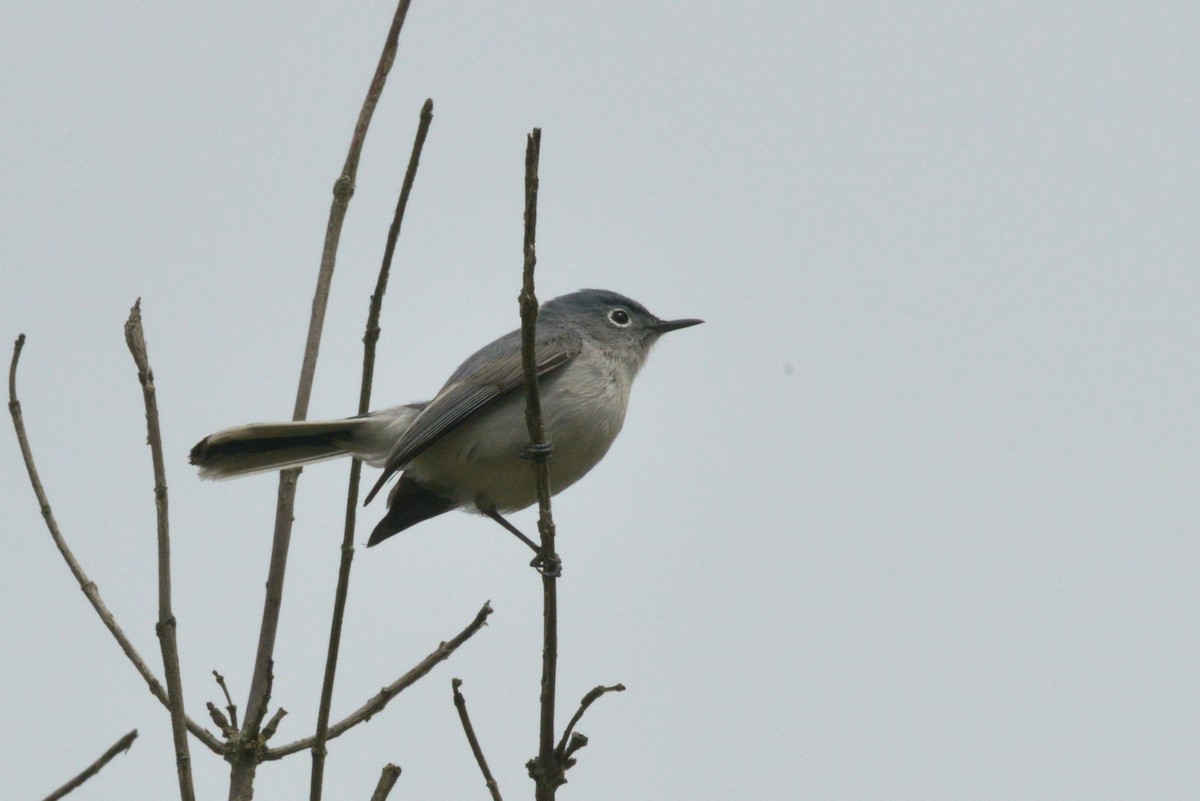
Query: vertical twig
x=86, y=585
x=241, y=786
x=136, y=340
x=460, y=703
x=545, y=769
x=229, y=704
x=370, y=337
x=91, y=770
x=387, y=780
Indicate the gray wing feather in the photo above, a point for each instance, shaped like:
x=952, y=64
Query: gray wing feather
x=480, y=381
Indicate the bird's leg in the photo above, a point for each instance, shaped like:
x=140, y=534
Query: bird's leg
x=516, y=532
x=547, y=564
x=551, y=566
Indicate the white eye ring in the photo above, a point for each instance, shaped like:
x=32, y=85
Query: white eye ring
x=619, y=317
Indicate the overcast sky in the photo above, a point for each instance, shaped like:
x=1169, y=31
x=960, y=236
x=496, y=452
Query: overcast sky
x=912, y=517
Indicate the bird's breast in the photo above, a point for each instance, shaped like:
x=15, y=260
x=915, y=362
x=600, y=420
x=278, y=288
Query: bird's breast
x=480, y=462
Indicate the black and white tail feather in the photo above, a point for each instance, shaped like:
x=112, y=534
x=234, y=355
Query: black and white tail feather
x=267, y=447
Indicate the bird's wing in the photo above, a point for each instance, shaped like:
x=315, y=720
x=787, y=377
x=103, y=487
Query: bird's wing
x=481, y=381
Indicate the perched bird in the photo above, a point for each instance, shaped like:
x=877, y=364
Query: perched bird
x=468, y=448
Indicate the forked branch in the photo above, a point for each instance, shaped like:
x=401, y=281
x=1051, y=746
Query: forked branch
x=545, y=769
x=568, y=745
x=242, y=776
x=549, y=767
x=90, y=591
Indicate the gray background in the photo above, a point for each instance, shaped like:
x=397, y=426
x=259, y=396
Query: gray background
x=912, y=517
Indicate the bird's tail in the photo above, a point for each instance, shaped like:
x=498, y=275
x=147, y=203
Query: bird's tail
x=261, y=447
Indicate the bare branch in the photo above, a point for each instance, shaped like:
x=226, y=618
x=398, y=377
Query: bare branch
x=269, y=730
x=343, y=190
x=136, y=340
x=85, y=584
x=587, y=701
x=529, y=312
x=461, y=704
x=372, y=333
x=229, y=704
x=120, y=745
x=545, y=769
x=255, y=724
x=249, y=745
x=577, y=741
x=227, y=729
x=242, y=776
x=381, y=699
x=387, y=780
x=370, y=337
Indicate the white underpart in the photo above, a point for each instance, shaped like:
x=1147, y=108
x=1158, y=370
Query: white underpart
x=479, y=463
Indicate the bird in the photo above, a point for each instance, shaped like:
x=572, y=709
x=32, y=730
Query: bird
x=469, y=447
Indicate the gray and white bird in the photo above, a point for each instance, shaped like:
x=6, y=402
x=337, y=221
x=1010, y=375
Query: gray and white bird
x=468, y=447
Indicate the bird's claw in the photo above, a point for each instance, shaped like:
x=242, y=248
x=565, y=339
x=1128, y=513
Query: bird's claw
x=541, y=450
x=549, y=566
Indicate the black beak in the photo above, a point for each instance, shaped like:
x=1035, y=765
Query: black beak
x=663, y=326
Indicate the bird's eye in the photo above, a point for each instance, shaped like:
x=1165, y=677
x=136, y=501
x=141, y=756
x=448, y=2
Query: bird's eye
x=619, y=317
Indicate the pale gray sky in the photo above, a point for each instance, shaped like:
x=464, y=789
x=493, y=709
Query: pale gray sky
x=912, y=517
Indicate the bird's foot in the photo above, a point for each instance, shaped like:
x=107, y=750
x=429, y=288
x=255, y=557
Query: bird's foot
x=538, y=451
x=549, y=566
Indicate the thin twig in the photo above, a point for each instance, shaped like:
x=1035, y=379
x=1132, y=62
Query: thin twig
x=85, y=584
x=136, y=340
x=269, y=730
x=460, y=703
x=91, y=770
x=587, y=701
x=372, y=332
x=381, y=699
x=370, y=338
x=545, y=770
x=254, y=725
x=578, y=741
x=242, y=775
x=251, y=747
x=228, y=730
x=387, y=780
x=229, y=704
